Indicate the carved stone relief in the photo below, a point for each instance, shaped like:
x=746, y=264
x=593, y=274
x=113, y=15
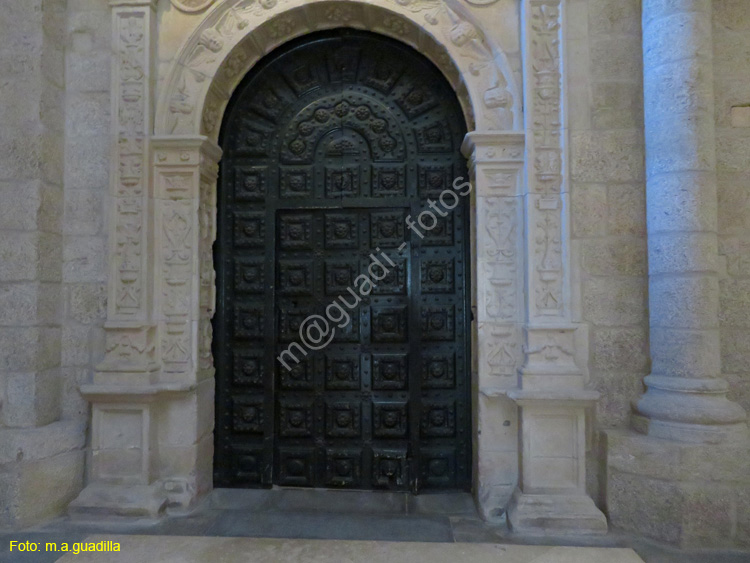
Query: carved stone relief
x=130, y=111
x=216, y=54
x=184, y=184
x=497, y=163
x=501, y=245
x=546, y=175
x=500, y=353
x=129, y=350
x=548, y=256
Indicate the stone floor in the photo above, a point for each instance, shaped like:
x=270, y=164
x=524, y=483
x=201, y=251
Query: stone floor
x=268, y=550
x=319, y=515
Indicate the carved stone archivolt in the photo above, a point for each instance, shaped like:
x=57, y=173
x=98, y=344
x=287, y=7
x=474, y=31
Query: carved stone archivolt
x=192, y=6
x=224, y=47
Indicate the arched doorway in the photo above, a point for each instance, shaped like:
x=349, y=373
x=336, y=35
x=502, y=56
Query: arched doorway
x=152, y=423
x=333, y=146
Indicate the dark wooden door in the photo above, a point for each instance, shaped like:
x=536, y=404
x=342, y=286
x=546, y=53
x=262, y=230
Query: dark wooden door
x=329, y=146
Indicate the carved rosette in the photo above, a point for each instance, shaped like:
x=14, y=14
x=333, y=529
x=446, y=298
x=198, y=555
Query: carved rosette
x=546, y=171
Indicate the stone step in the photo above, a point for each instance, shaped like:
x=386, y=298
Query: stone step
x=359, y=502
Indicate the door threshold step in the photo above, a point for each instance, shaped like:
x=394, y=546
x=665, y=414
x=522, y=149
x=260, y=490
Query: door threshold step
x=355, y=502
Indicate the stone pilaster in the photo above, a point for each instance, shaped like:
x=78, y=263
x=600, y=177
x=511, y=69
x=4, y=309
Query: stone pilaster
x=552, y=398
x=130, y=345
x=122, y=460
x=496, y=166
x=686, y=399
x=137, y=453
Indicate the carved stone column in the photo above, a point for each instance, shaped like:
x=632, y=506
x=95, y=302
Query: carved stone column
x=686, y=398
x=551, y=495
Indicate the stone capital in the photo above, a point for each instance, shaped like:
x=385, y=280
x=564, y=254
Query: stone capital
x=494, y=147
x=180, y=149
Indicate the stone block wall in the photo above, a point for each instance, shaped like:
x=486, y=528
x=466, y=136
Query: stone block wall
x=608, y=223
x=87, y=146
x=41, y=455
x=608, y=209
x=691, y=495
x=31, y=167
x=731, y=28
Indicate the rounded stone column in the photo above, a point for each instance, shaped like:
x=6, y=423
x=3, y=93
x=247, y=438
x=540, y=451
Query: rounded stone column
x=685, y=398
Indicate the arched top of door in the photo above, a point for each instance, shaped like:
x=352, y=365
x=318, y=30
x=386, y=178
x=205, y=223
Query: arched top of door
x=235, y=34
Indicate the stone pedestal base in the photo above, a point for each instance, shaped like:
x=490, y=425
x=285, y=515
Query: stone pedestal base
x=123, y=501
x=689, y=410
x=555, y=515
x=684, y=432
x=690, y=495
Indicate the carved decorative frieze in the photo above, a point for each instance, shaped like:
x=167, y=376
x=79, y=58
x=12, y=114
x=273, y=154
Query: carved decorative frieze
x=129, y=350
x=496, y=165
x=129, y=254
x=176, y=256
x=546, y=172
x=547, y=241
x=551, y=350
x=185, y=172
x=130, y=127
x=499, y=298
x=500, y=353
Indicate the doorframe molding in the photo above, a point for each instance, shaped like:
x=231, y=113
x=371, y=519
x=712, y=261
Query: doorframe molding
x=531, y=365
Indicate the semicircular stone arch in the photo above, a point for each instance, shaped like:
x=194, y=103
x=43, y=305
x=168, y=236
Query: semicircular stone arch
x=235, y=35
